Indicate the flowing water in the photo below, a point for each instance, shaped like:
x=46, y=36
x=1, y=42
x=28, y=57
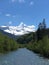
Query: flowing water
x=22, y=57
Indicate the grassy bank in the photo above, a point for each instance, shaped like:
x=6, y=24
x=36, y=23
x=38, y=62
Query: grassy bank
x=41, y=47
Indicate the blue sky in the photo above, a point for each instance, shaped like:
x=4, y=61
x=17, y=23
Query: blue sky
x=12, y=12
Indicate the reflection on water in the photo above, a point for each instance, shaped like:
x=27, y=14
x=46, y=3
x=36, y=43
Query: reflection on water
x=22, y=57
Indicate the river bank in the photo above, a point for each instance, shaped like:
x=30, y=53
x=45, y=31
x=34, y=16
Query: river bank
x=22, y=56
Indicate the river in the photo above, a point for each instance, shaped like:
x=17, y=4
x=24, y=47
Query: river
x=22, y=57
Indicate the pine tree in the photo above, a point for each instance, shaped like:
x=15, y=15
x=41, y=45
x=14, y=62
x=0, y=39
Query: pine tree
x=41, y=32
x=44, y=24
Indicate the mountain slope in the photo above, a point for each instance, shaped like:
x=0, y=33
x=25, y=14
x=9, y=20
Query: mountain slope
x=27, y=38
x=8, y=34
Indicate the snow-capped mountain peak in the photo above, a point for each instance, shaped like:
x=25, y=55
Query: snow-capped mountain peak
x=22, y=25
x=18, y=30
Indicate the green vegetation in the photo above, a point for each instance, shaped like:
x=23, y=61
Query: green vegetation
x=7, y=44
x=42, y=46
x=24, y=39
x=37, y=41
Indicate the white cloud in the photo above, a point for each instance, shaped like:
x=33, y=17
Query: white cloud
x=10, y=22
x=10, y=15
x=31, y=3
x=21, y=1
x=13, y=16
x=13, y=0
x=7, y=15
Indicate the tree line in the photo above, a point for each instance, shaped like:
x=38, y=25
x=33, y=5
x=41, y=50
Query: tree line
x=37, y=41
